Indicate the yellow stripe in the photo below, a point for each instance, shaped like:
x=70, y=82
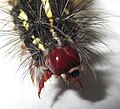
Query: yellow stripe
x=40, y=46
x=48, y=13
x=38, y=42
x=24, y=17
x=47, y=8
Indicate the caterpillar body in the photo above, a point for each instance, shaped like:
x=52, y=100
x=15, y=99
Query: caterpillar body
x=58, y=34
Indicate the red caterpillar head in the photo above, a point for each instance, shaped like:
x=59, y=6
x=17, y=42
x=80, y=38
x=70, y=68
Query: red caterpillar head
x=63, y=60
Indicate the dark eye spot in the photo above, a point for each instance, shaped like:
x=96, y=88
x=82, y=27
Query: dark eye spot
x=74, y=74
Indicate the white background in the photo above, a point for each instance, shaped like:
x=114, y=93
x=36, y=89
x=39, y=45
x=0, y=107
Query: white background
x=15, y=94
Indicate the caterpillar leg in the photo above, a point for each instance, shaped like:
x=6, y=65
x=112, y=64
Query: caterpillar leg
x=44, y=78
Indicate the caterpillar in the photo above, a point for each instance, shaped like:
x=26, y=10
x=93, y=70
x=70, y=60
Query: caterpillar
x=57, y=37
